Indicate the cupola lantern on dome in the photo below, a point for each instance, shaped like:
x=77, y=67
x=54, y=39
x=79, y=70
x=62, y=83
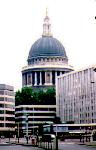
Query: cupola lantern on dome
x=46, y=25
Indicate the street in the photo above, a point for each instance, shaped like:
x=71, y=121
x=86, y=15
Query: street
x=62, y=146
x=72, y=146
x=19, y=147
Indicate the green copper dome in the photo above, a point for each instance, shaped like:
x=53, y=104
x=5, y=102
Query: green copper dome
x=46, y=47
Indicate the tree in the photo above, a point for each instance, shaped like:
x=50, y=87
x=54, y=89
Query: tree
x=50, y=96
x=18, y=98
x=46, y=97
x=28, y=96
x=24, y=96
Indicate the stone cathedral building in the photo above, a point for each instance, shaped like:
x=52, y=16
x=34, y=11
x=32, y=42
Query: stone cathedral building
x=47, y=59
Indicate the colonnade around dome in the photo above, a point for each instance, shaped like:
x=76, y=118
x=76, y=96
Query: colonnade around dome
x=40, y=78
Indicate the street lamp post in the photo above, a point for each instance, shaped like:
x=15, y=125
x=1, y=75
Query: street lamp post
x=33, y=122
x=17, y=128
x=18, y=131
x=27, y=128
x=9, y=135
x=56, y=138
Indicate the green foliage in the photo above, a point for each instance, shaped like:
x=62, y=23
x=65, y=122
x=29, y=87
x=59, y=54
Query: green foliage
x=27, y=96
x=18, y=98
x=23, y=96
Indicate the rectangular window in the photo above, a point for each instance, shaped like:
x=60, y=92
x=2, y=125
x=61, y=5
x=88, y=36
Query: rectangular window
x=1, y=92
x=1, y=98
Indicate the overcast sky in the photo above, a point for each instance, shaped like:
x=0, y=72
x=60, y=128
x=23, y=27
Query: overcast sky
x=73, y=23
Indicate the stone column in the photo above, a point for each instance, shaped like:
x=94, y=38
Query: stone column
x=23, y=80
x=60, y=73
x=51, y=77
x=40, y=79
x=27, y=78
x=55, y=76
x=45, y=78
x=31, y=78
x=35, y=79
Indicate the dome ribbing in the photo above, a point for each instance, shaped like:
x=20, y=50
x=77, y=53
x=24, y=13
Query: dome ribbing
x=46, y=47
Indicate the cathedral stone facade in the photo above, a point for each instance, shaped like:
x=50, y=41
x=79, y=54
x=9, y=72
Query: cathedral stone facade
x=47, y=59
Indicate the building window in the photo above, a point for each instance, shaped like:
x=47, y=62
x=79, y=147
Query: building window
x=1, y=98
x=1, y=125
x=1, y=105
x=92, y=107
x=1, y=92
x=1, y=111
x=1, y=118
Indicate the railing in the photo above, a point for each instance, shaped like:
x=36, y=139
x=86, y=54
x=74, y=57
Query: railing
x=47, y=141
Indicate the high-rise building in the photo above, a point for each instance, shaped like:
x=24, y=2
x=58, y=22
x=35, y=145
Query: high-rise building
x=76, y=96
x=7, y=108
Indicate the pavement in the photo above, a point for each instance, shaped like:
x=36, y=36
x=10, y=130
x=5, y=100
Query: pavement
x=7, y=142
x=91, y=144
x=11, y=141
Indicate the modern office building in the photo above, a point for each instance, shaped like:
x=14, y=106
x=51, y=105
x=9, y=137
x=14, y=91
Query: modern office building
x=76, y=96
x=7, y=108
x=35, y=115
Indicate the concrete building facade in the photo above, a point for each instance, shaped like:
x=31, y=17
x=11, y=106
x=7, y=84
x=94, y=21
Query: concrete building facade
x=76, y=96
x=7, y=108
x=37, y=114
